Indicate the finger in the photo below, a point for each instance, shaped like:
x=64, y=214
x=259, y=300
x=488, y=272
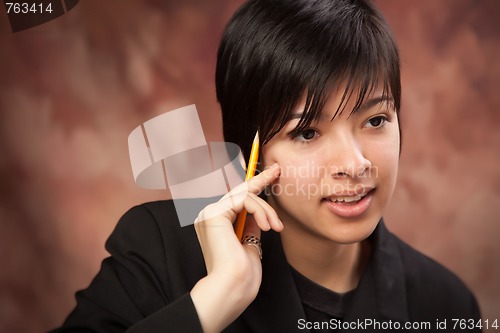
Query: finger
x=253, y=207
x=264, y=214
x=272, y=217
x=252, y=229
x=267, y=177
x=231, y=203
x=211, y=226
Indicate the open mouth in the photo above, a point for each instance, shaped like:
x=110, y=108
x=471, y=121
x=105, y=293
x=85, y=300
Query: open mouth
x=349, y=205
x=348, y=199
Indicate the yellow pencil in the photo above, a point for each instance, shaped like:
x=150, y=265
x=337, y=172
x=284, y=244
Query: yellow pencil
x=251, y=167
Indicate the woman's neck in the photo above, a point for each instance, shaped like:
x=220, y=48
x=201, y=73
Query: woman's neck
x=337, y=267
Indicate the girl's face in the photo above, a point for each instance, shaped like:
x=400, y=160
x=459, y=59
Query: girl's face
x=337, y=176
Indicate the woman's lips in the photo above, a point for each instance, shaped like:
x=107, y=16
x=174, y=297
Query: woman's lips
x=349, y=209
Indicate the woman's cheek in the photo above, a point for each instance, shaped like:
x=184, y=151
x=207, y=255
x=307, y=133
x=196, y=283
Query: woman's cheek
x=390, y=152
x=300, y=177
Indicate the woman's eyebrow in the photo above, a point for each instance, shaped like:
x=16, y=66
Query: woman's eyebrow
x=368, y=104
x=372, y=102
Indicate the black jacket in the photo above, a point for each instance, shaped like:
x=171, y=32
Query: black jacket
x=144, y=285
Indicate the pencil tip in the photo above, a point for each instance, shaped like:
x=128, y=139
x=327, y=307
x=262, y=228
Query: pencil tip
x=256, y=139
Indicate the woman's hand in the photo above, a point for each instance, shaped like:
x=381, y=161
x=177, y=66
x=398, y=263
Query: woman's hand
x=234, y=271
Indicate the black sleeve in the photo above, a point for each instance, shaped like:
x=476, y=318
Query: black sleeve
x=132, y=291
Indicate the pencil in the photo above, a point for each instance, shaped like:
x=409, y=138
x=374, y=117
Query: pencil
x=252, y=166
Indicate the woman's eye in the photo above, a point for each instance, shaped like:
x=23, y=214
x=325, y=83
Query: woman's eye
x=306, y=135
x=376, y=122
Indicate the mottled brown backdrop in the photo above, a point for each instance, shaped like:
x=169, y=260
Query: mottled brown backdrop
x=72, y=90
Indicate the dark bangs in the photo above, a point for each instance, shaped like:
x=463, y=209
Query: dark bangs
x=275, y=51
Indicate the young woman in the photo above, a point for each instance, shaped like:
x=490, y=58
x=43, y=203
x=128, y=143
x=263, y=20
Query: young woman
x=320, y=81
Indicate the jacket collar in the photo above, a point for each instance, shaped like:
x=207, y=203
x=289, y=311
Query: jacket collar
x=388, y=275
x=380, y=293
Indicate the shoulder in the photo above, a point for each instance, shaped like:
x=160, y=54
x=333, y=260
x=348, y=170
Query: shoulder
x=151, y=232
x=158, y=217
x=433, y=288
x=421, y=268
x=146, y=223
x=155, y=211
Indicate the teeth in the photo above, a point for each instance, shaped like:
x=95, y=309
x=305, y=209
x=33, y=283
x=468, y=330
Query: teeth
x=348, y=199
x=351, y=199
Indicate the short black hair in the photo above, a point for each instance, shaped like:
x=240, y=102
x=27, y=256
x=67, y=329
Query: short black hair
x=275, y=51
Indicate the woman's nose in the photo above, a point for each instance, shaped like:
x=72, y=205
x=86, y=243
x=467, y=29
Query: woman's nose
x=347, y=158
